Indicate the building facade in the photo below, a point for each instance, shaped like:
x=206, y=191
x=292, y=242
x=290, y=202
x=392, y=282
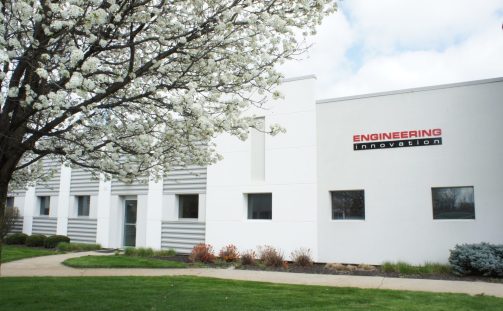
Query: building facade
x=403, y=175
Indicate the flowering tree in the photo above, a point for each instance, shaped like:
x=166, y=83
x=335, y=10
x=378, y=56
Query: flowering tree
x=130, y=87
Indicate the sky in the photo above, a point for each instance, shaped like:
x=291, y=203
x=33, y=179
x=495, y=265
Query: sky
x=374, y=46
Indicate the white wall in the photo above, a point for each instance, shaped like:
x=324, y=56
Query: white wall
x=398, y=221
x=290, y=175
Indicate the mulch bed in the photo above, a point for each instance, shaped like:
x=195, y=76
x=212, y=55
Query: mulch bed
x=319, y=268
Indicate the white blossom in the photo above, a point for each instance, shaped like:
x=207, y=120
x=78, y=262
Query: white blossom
x=140, y=87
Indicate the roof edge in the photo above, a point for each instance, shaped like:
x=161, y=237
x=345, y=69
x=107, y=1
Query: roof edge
x=410, y=90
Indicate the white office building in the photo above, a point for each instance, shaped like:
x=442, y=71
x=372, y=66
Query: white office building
x=402, y=175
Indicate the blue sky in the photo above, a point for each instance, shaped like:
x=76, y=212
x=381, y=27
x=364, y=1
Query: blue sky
x=373, y=46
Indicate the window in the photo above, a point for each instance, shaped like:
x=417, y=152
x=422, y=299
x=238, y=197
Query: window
x=260, y=206
x=10, y=202
x=453, y=203
x=348, y=204
x=45, y=203
x=188, y=206
x=83, y=202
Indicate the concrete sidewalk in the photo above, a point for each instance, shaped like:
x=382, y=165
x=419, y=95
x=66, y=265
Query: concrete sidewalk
x=51, y=266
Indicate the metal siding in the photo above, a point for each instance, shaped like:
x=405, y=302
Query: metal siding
x=83, y=182
x=51, y=186
x=182, y=236
x=44, y=225
x=18, y=225
x=82, y=230
x=133, y=188
x=185, y=180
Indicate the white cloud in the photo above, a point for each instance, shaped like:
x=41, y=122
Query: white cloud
x=388, y=24
x=476, y=58
x=384, y=45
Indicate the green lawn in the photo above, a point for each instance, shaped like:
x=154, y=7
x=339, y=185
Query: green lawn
x=193, y=293
x=14, y=252
x=121, y=262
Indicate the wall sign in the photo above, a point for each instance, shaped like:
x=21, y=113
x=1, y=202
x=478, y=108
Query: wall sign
x=414, y=138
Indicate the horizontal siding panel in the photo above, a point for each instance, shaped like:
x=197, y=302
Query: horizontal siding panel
x=82, y=230
x=83, y=182
x=18, y=226
x=133, y=188
x=50, y=186
x=185, y=180
x=44, y=225
x=182, y=236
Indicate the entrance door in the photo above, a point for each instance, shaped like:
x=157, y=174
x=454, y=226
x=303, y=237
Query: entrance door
x=130, y=222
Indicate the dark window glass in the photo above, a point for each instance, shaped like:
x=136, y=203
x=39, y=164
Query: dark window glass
x=348, y=204
x=453, y=203
x=83, y=202
x=45, y=203
x=259, y=206
x=188, y=206
x=10, y=202
x=130, y=213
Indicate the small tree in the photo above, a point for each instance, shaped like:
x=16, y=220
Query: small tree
x=135, y=87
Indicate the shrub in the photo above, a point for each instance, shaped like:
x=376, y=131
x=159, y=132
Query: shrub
x=139, y=252
x=129, y=251
x=302, y=257
x=248, y=258
x=202, y=253
x=16, y=238
x=54, y=240
x=35, y=240
x=405, y=268
x=270, y=257
x=144, y=252
x=229, y=253
x=482, y=258
x=75, y=247
x=165, y=253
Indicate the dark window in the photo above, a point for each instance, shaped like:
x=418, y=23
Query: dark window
x=45, y=203
x=348, y=204
x=83, y=202
x=260, y=206
x=453, y=203
x=10, y=202
x=188, y=206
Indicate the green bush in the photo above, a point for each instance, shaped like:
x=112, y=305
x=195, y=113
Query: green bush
x=16, y=238
x=165, y=253
x=478, y=259
x=54, y=240
x=35, y=240
x=139, y=252
x=406, y=268
x=75, y=247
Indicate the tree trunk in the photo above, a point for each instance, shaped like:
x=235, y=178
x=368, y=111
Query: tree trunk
x=4, y=186
x=7, y=167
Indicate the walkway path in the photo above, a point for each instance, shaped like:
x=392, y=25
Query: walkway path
x=51, y=266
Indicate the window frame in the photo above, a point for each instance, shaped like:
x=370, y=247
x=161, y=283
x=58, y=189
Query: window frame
x=10, y=199
x=452, y=219
x=77, y=198
x=331, y=196
x=247, y=204
x=47, y=200
x=179, y=202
